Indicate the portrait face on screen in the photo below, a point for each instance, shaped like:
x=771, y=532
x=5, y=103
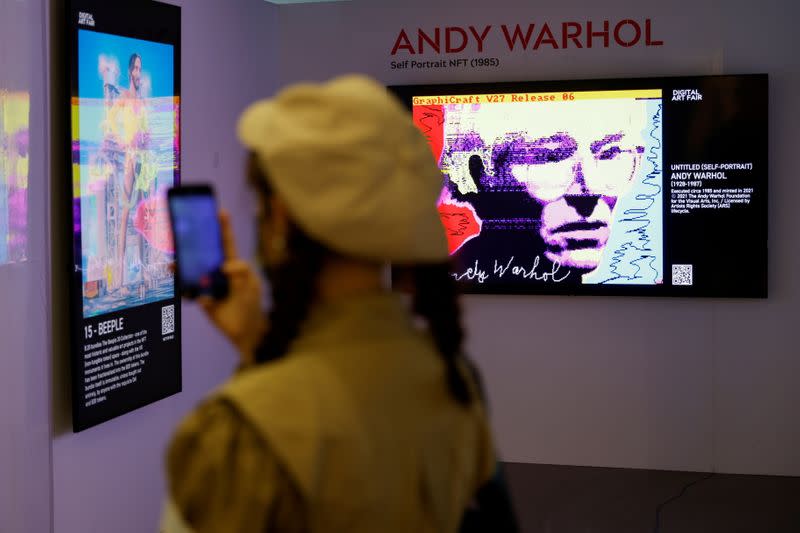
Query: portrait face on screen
x=543, y=181
x=574, y=164
x=135, y=73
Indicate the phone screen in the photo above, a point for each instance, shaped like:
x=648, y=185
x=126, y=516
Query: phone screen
x=198, y=243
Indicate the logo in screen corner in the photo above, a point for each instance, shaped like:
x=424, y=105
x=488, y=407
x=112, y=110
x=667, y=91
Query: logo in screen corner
x=86, y=19
x=683, y=95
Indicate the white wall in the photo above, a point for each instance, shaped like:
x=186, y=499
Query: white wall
x=626, y=382
x=110, y=478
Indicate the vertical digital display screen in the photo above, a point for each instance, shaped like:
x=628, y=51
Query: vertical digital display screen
x=629, y=187
x=124, y=155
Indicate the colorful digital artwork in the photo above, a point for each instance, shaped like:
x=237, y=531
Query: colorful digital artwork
x=14, y=169
x=550, y=187
x=125, y=157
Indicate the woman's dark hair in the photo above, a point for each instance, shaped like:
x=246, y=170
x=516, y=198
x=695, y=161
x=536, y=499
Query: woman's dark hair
x=436, y=300
x=293, y=282
x=294, y=289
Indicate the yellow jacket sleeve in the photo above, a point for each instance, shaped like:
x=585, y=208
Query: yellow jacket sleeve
x=222, y=476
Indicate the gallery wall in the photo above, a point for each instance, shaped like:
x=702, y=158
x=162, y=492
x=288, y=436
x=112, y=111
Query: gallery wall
x=624, y=382
x=25, y=472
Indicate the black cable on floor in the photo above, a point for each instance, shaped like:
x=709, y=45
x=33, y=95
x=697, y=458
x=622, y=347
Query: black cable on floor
x=663, y=504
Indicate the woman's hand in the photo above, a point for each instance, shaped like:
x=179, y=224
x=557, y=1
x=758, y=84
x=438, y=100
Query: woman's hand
x=240, y=315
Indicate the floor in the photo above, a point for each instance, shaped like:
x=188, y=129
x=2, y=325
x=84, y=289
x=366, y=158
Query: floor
x=567, y=499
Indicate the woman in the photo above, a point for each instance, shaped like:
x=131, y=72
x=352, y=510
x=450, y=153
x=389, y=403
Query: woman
x=352, y=411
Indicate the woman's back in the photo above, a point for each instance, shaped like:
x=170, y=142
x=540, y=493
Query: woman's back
x=357, y=424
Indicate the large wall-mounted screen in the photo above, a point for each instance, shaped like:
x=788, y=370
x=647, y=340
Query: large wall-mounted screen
x=124, y=154
x=620, y=187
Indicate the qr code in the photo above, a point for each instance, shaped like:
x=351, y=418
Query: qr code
x=167, y=319
x=682, y=275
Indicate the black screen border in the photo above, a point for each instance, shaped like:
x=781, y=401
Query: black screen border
x=148, y=20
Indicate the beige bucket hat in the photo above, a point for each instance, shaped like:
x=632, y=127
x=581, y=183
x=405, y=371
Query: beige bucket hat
x=353, y=170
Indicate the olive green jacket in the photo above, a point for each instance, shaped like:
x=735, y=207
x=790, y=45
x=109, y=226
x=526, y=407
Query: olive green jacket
x=353, y=431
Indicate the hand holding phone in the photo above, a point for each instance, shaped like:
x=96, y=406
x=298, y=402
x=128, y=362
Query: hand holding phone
x=236, y=310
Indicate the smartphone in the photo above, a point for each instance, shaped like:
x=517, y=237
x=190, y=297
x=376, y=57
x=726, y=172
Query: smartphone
x=199, y=254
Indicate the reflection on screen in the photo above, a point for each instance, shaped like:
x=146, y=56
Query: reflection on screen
x=564, y=183
x=14, y=164
x=196, y=225
x=125, y=153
